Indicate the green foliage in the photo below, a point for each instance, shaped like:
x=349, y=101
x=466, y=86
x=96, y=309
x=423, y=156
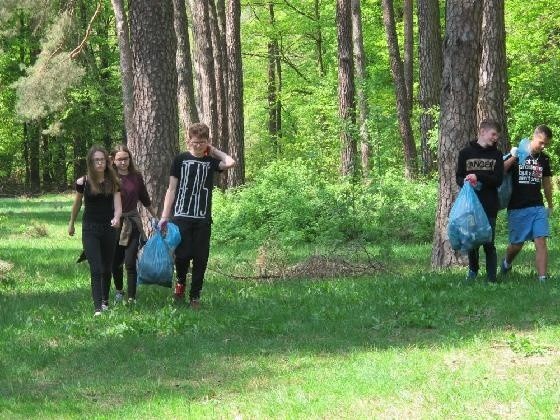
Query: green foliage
x=292, y=203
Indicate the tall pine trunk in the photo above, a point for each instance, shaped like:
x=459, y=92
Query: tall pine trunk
x=236, y=175
x=430, y=68
x=346, y=88
x=492, y=84
x=403, y=107
x=155, y=87
x=458, y=121
x=361, y=81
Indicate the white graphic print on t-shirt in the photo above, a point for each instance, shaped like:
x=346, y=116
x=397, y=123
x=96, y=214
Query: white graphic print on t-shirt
x=530, y=172
x=193, y=196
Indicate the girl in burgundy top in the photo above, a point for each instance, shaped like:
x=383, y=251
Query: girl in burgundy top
x=133, y=190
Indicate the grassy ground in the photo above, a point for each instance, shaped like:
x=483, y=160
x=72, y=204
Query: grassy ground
x=404, y=343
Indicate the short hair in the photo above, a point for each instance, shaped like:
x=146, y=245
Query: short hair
x=544, y=129
x=490, y=125
x=199, y=130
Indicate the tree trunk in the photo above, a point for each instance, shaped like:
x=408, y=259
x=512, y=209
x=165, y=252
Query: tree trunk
x=79, y=158
x=127, y=77
x=273, y=90
x=46, y=162
x=34, y=141
x=188, y=113
x=236, y=175
x=403, y=107
x=408, y=51
x=204, y=51
x=458, y=125
x=430, y=67
x=318, y=37
x=492, y=84
x=218, y=49
x=346, y=88
x=155, y=85
x=361, y=81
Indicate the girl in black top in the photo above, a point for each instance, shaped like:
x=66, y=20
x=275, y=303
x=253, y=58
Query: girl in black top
x=99, y=189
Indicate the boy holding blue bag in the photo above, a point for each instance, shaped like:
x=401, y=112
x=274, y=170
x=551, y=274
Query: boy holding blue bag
x=481, y=165
x=527, y=216
x=188, y=202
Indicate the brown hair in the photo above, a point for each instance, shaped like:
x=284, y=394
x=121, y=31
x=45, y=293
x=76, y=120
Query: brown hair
x=123, y=148
x=544, y=129
x=111, y=183
x=490, y=125
x=199, y=130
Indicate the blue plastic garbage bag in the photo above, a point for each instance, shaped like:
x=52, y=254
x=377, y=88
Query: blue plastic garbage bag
x=155, y=262
x=172, y=236
x=468, y=225
x=504, y=191
x=523, y=150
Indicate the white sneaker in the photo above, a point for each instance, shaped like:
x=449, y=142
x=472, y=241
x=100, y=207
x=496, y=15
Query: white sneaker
x=104, y=307
x=97, y=313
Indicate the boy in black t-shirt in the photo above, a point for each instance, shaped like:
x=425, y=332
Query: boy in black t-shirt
x=188, y=201
x=481, y=164
x=527, y=216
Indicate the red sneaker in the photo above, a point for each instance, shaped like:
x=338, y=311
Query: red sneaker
x=179, y=291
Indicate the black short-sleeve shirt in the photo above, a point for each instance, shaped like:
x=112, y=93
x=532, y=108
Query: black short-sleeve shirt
x=527, y=181
x=193, y=196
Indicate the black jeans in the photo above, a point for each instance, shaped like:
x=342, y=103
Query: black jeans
x=491, y=255
x=195, y=247
x=98, y=240
x=127, y=255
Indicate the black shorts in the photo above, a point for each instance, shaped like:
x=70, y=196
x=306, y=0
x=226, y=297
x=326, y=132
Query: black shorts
x=195, y=238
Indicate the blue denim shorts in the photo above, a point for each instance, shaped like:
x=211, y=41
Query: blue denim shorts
x=527, y=224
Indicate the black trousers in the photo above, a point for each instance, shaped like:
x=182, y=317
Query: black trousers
x=98, y=240
x=195, y=248
x=126, y=255
x=491, y=255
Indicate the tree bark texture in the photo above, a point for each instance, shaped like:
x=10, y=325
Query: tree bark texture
x=188, y=113
x=403, y=108
x=203, y=40
x=430, y=68
x=408, y=50
x=492, y=83
x=220, y=66
x=236, y=175
x=458, y=123
x=155, y=92
x=361, y=80
x=127, y=77
x=346, y=88
x=274, y=109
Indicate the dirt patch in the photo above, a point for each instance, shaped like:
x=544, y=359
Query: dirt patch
x=5, y=268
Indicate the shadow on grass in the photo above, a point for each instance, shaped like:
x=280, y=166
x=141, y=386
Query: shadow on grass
x=245, y=330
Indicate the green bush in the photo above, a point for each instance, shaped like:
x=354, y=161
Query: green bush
x=290, y=203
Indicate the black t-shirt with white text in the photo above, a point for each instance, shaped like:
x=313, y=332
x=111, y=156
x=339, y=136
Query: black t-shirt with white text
x=527, y=181
x=193, y=196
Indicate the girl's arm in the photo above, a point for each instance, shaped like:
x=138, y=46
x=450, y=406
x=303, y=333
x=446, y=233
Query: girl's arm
x=116, y=220
x=76, y=206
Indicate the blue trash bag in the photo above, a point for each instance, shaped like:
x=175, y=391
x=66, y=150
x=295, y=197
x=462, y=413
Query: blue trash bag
x=504, y=191
x=468, y=225
x=523, y=150
x=172, y=236
x=155, y=262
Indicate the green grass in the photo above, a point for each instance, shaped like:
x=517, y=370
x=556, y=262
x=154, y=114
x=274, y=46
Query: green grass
x=404, y=343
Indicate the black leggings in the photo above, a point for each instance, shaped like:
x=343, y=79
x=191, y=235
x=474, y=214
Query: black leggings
x=98, y=240
x=127, y=255
x=491, y=255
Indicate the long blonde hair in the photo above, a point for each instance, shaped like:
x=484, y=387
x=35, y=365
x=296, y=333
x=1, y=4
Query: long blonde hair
x=111, y=183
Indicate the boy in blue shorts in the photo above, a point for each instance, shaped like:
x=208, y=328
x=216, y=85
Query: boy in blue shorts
x=527, y=215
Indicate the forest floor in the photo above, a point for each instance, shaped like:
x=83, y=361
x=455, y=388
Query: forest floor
x=395, y=340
